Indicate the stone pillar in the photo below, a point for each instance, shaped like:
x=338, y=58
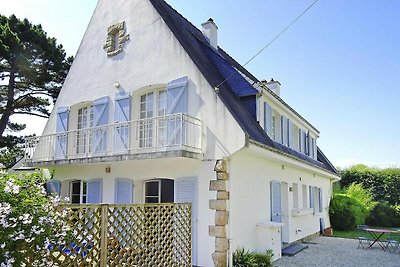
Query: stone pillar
x=218, y=230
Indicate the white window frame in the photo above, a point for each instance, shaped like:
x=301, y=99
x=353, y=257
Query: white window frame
x=159, y=190
x=82, y=193
x=159, y=180
x=148, y=130
x=84, y=122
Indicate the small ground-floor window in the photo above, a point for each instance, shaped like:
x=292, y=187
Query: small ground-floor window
x=77, y=192
x=159, y=191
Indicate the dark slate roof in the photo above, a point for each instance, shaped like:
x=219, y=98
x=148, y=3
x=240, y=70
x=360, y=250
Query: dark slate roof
x=222, y=71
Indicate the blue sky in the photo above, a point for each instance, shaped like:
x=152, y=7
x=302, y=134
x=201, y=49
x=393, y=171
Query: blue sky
x=339, y=65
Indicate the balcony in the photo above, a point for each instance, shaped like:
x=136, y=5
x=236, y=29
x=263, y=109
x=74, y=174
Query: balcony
x=165, y=136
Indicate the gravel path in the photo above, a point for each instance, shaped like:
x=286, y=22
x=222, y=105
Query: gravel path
x=338, y=252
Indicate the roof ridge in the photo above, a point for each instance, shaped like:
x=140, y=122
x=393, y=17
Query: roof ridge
x=235, y=91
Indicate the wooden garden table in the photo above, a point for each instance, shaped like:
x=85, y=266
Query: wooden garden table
x=377, y=235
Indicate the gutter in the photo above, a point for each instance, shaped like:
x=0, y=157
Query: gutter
x=249, y=142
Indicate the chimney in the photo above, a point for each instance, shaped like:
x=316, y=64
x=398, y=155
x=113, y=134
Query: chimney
x=273, y=85
x=210, y=30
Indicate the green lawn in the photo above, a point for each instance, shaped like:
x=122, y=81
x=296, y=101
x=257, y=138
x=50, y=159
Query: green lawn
x=355, y=234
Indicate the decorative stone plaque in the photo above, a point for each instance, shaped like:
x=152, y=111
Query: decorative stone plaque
x=116, y=38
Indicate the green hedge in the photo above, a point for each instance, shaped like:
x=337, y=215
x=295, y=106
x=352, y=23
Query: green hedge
x=383, y=184
x=384, y=215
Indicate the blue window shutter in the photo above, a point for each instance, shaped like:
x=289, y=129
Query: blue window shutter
x=53, y=186
x=284, y=130
x=311, y=193
x=94, y=191
x=268, y=119
x=100, y=117
x=177, y=96
x=177, y=102
x=61, y=128
x=122, y=107
x=186, y=192
x=276, y=205
x=122, y=114
x=321, y=206
x=123, y=191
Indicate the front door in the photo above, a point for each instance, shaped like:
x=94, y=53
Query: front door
x=276, y=203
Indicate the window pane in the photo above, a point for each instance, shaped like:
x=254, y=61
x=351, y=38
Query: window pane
x=75, y=199
x=76, y=187
x=152, y=189
x=167, y=191
x=151, y=200
x=162, y=103
x=84, y=188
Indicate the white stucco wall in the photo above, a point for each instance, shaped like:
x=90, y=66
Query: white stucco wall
x=152, y=56
x=141, y=170
x=250, y=176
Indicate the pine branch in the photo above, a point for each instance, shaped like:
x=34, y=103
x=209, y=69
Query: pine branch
x=31, y=113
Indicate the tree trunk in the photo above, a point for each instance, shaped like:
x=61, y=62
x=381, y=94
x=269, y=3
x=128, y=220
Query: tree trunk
x=10, y=103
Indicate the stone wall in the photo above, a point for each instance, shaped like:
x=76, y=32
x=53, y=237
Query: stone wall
x=220, y=205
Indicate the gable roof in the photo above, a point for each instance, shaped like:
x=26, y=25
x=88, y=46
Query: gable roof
x=222, y=71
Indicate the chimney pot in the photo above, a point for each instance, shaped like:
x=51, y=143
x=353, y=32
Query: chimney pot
x=210, y=31
x=273, y=85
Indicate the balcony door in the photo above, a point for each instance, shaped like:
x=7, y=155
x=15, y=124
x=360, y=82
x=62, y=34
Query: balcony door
x=153, y=125
x=83, y=136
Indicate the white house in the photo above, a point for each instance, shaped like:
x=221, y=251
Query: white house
x=153, y=110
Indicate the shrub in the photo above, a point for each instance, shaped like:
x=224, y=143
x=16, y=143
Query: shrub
x=29, y=221
x=263, y=259
x=341, y=212
x=363, y=196
x=384, y=215
x=245, y=258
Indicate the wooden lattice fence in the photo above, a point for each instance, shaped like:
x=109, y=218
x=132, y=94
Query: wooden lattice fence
x=127, y=235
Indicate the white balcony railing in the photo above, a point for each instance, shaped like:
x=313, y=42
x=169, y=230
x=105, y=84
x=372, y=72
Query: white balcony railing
x=160, y=134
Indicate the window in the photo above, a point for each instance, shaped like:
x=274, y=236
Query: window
x=295, y=196
x=77, y=191
x=159, y=191
x=284, y=130
x=153, y=104
x=305, y=196
x=289, y=133
x=85, y=121
x=311, y=194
